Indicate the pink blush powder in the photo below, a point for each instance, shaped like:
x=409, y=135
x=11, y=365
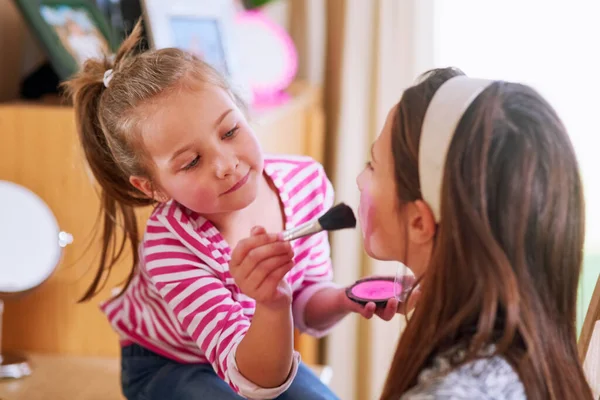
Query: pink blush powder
x=376, y=289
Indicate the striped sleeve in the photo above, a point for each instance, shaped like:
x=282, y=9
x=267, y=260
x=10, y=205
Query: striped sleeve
x=319, y=273
x=179, y=265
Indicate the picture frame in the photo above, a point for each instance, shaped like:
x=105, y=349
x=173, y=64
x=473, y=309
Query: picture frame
x=205, y=28
x=70, y=31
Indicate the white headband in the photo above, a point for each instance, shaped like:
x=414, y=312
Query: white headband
x=443, y=114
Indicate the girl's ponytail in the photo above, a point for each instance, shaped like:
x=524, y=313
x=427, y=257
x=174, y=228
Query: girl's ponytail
x=118, y=197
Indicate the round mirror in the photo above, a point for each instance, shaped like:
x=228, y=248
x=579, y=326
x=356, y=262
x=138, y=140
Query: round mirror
x=30, y=250
x=268, y=55
x=30, y=240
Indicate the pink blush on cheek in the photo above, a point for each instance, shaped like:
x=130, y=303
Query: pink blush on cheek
x=196, y=197
x=375, y=290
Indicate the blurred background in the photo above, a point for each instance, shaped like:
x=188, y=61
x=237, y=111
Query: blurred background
x=320, y=77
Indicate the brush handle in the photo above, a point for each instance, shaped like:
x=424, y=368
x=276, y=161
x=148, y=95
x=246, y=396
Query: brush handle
x=309, y=228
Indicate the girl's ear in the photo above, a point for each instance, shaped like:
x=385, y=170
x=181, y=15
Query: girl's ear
x=145, y=186
x=421, y=222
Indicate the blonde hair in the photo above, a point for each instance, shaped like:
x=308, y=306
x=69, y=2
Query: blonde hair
x=108, y=120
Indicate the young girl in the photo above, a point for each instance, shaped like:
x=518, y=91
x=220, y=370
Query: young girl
x=214, y=293
x=488, y=212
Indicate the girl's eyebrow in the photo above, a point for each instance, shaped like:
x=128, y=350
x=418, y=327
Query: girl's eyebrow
x=187, y=147
x=222, y=117
x=179, y=152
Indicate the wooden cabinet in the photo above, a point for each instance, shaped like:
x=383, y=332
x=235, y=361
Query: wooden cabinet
x=39, y=150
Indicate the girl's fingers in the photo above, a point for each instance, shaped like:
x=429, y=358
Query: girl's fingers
x=261, y=272
x=389, y=311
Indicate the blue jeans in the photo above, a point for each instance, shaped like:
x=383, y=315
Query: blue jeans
x=148, y=376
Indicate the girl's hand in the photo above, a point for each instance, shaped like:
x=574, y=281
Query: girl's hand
x=392, y=307
x=258, y=265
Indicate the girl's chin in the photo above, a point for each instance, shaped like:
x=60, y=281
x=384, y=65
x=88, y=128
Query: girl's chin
x=375, y=251
x=367, y=245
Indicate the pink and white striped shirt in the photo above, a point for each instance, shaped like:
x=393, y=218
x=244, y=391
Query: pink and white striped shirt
x=184, y=304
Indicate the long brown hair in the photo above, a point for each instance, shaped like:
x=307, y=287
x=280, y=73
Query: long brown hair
x=108, y=124
x=508, y=252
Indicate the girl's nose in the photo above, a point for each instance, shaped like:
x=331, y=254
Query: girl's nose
x=226, y=165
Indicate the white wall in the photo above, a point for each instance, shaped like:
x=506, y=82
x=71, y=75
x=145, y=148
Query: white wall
x=552, y=46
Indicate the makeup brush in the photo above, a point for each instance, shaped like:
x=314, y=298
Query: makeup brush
x=338, y=217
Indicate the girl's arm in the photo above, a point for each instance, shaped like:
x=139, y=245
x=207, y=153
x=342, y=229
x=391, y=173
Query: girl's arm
x=325, y=308
x=328, y=306
x=265, y=355
x=258, y=265
x=310, y=315
x=200, y=296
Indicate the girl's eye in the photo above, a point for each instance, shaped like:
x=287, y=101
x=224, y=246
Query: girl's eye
x=192, y=164
x=231, y=133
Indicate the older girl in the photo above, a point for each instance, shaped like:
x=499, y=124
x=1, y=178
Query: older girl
x=488, y=212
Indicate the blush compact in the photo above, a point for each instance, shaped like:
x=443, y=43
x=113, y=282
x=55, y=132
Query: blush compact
x=377, y=289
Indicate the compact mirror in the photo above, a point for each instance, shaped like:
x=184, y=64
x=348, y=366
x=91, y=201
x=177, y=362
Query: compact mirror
x=31, y=246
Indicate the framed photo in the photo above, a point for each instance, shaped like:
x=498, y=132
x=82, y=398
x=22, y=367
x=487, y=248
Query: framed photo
x=205, y=28
x=71, y=31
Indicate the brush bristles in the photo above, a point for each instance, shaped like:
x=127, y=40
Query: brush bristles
x=338, y=217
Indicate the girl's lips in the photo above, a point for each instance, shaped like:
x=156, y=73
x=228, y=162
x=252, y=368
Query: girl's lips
x=238, y=185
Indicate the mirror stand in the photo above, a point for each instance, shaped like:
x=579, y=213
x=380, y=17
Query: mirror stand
x=12, y=366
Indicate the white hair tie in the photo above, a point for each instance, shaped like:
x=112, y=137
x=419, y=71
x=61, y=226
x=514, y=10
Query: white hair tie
x=443, y=114
x=107, y=77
